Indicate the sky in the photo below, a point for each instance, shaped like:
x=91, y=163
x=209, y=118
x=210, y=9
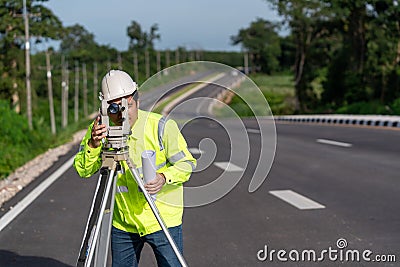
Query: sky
x=201, y=24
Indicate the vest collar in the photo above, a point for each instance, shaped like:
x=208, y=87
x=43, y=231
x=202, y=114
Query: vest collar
x=138, y=126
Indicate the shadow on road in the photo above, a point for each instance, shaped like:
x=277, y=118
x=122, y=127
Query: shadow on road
x=8, y=258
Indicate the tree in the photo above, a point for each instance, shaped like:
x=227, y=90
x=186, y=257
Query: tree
x=288, y=52
x=43, y=25
x=78, y=43
x=346, y=75
x=140, y=40
x=262, y=41
x=383, y=58
x=369, y=57
x=76, y=37
x=311, y=30
x=351, y=47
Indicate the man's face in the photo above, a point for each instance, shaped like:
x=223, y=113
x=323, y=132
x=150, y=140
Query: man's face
x=132, y=111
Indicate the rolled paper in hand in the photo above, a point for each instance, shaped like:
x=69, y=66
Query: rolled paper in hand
x=149, y=167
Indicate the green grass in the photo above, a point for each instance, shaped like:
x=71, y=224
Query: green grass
x=277, y=90
x=19, y=144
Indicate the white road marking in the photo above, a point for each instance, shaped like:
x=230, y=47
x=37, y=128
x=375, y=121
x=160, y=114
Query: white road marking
x=228, y=166
x=15, y=211
x=195, y=150
x=297, y=200
x=174, y=102
x=335, y=143
x=256, y=131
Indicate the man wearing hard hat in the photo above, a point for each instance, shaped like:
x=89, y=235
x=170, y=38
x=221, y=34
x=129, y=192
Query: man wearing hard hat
x=133, y=221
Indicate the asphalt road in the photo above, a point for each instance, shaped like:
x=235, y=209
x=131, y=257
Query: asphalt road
x=352, y=187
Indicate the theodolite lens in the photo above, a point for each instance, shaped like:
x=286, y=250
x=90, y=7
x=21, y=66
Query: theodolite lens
x=114, y=108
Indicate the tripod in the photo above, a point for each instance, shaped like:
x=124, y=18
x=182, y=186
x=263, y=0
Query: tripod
x=98, y=229
x=97, y=235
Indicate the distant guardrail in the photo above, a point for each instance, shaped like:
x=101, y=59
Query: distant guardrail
x=367, y=120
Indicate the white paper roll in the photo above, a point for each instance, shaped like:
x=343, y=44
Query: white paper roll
x=149, y=166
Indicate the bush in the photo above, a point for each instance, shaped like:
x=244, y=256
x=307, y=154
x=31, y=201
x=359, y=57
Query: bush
x=373, y=107
x=278, y=90
x=396, y=106
x=19, y=144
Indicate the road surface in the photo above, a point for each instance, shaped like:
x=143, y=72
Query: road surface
x=329, y=188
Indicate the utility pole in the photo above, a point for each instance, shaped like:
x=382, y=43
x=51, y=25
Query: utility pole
x=197, y=55
x=76, y=99
x=28, y=68
x=95, y=86
x=147, y=60
x=158, y=61
x=119, y=61
x=64, y=91
x=177, y=56
x=246, y=63
x=85, y=91
x=191, y=56
x=167, y=61
x=135, y=66
x=50, y=93
x=84, y=78
x=63, y=84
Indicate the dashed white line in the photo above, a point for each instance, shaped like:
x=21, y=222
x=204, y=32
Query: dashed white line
x=228, y=166
x=299, y=201
x=334, y=143
x=195, y=150
x=10, y=215
x=256, y=131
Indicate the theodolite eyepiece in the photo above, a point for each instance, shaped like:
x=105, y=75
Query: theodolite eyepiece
x=114, y=108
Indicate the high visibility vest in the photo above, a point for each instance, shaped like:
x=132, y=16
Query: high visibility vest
x=132, y=213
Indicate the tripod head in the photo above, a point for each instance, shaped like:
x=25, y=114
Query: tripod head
x=116, y=135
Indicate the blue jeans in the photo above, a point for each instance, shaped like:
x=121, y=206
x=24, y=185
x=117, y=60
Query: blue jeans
x=126, y=247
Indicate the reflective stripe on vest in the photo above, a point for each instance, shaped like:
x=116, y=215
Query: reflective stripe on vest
x=191, y=164
x=122, y=189
x=161, y=127
x=177, y=157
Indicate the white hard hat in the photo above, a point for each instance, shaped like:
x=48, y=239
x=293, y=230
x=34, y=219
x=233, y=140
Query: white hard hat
x=116, y=84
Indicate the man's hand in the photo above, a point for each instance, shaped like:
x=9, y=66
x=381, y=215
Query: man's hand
x=156, y=184
x=98, y=133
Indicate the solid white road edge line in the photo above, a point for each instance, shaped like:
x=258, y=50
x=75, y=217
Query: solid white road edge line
x=297, y=200
x=335, y=143
x=17, y=209
x=174, y=102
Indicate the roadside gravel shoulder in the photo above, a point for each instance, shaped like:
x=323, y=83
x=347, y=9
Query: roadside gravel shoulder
x=25, y=174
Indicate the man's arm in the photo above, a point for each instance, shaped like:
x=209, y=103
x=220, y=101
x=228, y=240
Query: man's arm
x=88, y=161
x=182, y=161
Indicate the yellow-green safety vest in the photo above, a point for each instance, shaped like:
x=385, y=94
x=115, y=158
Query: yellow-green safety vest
x=132, y=213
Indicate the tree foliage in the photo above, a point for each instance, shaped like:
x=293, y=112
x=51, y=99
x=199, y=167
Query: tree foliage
x=139, y=39
x=79, y=45
x=353, y=47
x=262, y=41
x=43, y=25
